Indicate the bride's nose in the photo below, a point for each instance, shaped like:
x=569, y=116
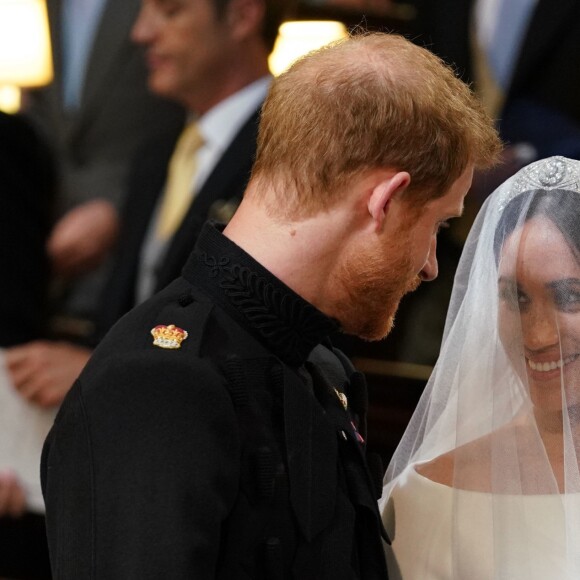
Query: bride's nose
x=540, y=329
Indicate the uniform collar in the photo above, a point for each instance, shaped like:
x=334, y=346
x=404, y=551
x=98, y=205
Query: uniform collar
x=289, y=325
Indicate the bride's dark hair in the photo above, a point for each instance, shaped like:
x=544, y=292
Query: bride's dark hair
x=560, y=206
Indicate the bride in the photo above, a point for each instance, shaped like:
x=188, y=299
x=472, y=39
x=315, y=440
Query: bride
x=485, y=483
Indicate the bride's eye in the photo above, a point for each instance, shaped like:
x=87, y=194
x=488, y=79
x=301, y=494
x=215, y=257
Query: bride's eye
x=567, y=298
x=514, y=298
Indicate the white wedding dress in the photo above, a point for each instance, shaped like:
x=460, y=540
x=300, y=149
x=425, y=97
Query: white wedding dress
x=499, y=419
x=419, y=514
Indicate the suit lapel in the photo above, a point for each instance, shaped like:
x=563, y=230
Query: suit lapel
x=236, y=161
x=331, y=384
x=146, y=187
x=226, y=182
x=319, y=434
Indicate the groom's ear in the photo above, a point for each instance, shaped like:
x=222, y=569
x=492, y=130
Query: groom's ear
x=382, y=194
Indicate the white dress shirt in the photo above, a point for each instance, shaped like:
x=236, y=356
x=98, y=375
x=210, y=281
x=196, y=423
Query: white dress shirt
x=219, y=126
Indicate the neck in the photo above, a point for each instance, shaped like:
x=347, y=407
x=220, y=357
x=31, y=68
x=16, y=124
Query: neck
x=552, y=431
x=237, y=75
x=304, y=254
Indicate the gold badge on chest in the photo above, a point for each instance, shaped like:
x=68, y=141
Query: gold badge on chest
x=168, y=336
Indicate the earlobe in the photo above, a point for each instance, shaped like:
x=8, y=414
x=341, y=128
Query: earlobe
x=383, y=193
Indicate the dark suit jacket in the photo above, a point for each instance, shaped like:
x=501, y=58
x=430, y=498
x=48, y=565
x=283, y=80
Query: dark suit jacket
x=95, y=144
x=27, y=191
x=542, y=105
x=227, y=182
x=230, y=458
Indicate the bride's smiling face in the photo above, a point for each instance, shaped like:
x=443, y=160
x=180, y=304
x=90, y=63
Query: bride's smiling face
x=539, y=311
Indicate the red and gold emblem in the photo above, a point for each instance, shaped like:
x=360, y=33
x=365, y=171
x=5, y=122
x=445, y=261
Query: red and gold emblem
x=168, y=336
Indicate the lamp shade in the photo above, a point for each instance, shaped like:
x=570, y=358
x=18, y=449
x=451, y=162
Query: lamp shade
x=299, y=37
x=25, y=54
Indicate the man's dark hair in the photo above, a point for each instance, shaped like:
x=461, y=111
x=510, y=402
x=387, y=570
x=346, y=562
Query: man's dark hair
x=276, y=11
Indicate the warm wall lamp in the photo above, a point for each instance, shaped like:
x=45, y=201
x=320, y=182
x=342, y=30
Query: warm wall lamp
x=298, y=37
x=314, y=23
x=25, y=52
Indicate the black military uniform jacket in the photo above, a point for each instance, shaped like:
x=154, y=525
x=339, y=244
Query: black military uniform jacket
x=236, y=456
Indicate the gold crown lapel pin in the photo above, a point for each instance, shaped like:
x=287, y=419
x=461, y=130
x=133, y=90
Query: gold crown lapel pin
x=168, y=336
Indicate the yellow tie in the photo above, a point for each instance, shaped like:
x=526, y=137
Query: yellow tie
x=179, y=188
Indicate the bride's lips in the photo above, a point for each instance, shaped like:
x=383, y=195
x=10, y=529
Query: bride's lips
x=549, y=369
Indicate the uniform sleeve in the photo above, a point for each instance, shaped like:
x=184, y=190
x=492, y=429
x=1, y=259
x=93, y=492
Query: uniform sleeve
x=140, y=472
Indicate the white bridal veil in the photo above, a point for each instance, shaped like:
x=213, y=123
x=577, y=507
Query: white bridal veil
x=485, y=482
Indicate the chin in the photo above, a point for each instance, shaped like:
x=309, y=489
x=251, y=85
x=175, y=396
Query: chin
x=372, y=326
x=546, y=395
x=380, y=332
x=552, y=403
x=546, y=389
x=159, y=85
x=372, y=290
